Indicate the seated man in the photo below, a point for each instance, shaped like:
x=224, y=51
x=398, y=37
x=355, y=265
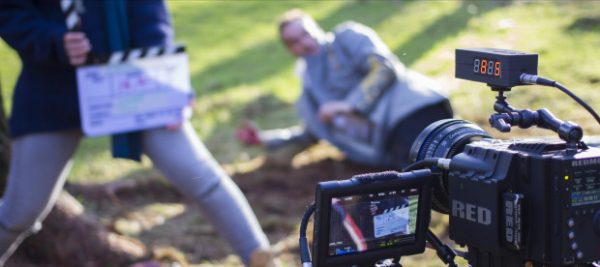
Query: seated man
x=356, y=95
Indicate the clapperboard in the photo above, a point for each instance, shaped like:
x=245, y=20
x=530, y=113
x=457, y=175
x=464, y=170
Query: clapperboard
x=131, y=90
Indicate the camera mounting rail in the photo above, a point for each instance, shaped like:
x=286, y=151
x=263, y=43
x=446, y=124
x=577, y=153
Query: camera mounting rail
x=501, y=70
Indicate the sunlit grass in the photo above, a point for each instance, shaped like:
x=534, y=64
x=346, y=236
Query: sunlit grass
x=240, y=71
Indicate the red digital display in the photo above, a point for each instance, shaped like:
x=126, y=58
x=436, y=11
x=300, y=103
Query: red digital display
x=488, y=67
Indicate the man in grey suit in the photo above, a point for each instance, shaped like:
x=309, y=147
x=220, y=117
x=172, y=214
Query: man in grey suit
x=356, y=95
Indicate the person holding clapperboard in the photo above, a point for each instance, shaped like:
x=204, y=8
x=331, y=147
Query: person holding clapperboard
x=132, y=99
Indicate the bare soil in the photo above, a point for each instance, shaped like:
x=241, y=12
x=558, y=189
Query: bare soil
x=148, y=208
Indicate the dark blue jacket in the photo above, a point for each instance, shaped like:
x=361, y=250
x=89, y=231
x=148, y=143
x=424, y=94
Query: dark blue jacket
x=45, y=97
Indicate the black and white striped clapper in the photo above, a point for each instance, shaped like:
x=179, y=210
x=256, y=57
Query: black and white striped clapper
x=69, y=8
x=138, y=53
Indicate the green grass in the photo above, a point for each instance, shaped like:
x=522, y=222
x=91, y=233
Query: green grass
x=240, y=71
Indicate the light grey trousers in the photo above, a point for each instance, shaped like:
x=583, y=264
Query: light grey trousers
x=40, y=164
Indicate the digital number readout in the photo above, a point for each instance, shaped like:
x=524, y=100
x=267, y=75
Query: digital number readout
x=585, y=197
x=488, y=67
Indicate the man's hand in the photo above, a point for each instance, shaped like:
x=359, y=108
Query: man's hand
x=77, y=46
x=333, y=108
x=247, y=134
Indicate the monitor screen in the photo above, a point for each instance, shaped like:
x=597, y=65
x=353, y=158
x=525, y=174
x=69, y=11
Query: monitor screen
x=372, y=221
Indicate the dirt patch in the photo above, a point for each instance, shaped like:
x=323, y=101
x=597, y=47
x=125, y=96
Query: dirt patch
x=280, y=195
x=149, y=209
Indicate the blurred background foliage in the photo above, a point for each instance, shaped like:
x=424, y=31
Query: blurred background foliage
x=240, y=70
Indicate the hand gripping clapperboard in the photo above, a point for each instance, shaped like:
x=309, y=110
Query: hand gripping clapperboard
x=131, y=90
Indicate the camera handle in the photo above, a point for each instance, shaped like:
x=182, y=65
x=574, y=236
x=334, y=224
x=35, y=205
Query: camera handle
x=508, y=116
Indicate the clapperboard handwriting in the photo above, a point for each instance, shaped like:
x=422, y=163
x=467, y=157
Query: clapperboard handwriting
x=131, y=90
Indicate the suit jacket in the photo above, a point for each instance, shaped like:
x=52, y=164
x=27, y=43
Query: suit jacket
x=336, y=73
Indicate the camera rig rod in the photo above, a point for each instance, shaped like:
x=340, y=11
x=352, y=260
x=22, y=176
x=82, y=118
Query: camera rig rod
x=444, y=252
x=508, y=116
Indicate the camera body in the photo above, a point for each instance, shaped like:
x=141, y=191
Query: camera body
x=510, y=202
x=528, y=199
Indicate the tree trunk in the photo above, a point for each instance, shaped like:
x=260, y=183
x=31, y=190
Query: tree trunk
x=69, y=236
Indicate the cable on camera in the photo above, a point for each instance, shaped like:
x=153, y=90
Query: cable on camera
x=443, y=163
x=534, y=79
x=304, y=250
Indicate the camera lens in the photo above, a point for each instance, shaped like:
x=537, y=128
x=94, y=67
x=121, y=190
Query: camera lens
x=444, y=139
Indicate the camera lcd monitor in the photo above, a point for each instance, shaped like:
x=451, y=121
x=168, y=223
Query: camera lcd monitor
x=372, y=221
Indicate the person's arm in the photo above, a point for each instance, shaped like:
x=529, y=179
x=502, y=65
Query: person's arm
x=37, y=40
x=379, y=79
x=249, y=134
x=372, y=58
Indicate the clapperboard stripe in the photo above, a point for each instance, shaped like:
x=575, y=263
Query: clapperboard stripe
x=69, y=8
x=72, y=20
x=153, y=51
x=115, y=58
x=139, y=53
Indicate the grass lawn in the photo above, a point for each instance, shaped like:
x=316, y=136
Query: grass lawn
x=240, y=71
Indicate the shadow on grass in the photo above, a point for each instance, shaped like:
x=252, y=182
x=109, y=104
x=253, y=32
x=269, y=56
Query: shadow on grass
x=268, y=58
x=254, y=63
x=370, y=13
x=585, y=24
x=442, y=28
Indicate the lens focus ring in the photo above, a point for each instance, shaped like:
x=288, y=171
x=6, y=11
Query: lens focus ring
x=444, y=139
